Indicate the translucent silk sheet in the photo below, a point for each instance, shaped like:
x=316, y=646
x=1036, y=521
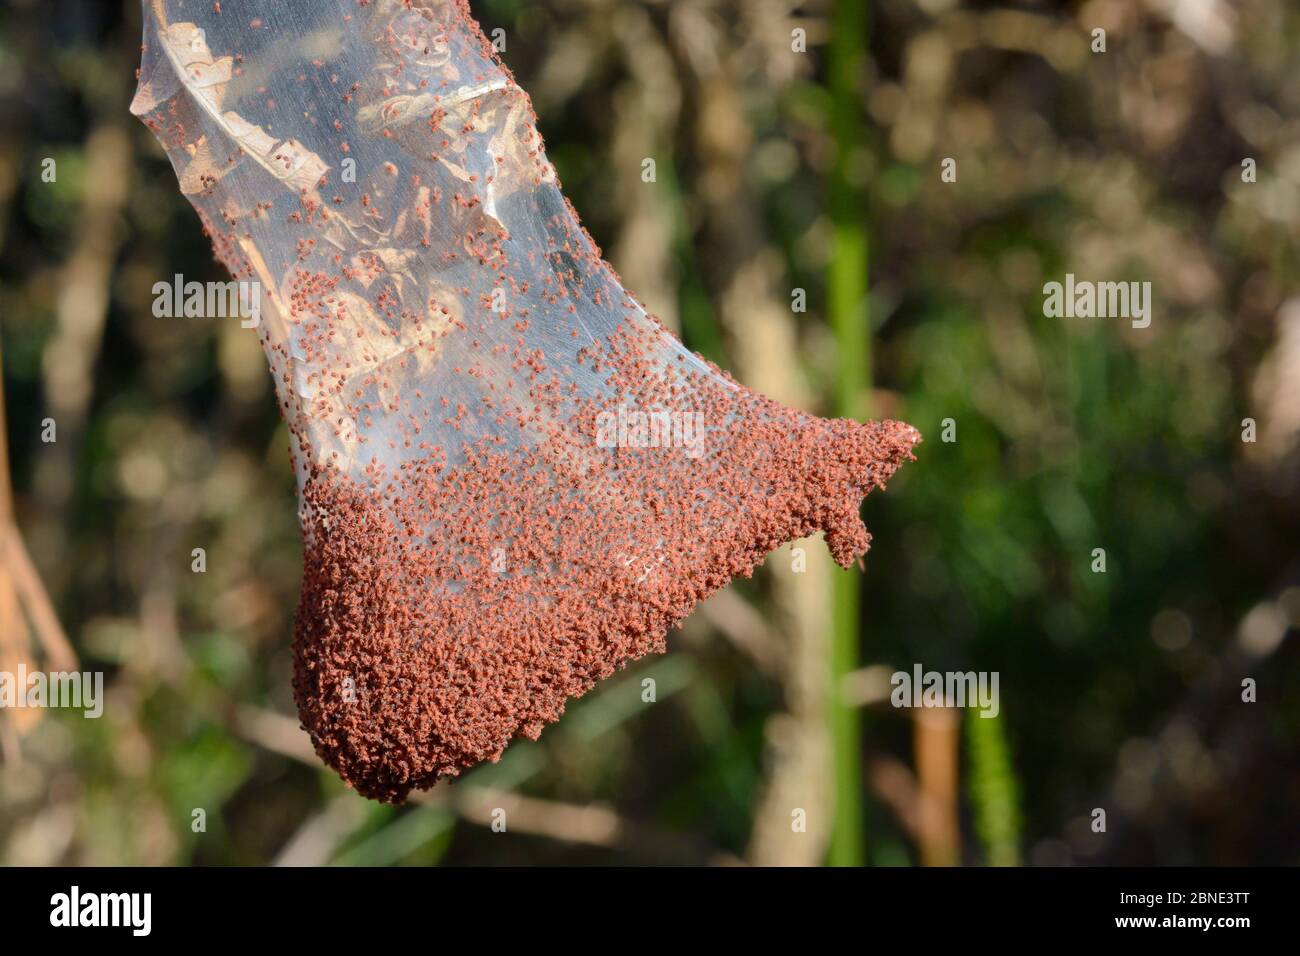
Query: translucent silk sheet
x=512, y=479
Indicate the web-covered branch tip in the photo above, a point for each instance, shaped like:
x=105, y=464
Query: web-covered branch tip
x=513, y=479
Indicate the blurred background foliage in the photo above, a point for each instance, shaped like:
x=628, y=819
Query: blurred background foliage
x=1119, y=690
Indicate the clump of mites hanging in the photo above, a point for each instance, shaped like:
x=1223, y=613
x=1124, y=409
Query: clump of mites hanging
x=512, y=479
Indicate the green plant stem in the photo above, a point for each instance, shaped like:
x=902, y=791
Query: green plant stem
x=847, y=309
x=994, y=789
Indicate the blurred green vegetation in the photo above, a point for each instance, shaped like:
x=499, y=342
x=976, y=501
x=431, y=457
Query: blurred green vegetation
x=1119, y=690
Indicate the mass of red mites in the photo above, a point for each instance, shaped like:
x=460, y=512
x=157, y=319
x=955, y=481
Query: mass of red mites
x=447, y=609
x=450, y=350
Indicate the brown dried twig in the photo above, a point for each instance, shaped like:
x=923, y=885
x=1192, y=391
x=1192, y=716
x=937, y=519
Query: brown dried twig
x=25, y=608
